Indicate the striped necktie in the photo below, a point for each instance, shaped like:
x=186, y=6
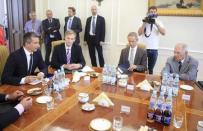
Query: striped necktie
x=68, y=55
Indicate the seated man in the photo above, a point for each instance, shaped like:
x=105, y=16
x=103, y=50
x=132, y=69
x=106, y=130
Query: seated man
x=182, y=64
x=68, y=55
x=133, y=58
x=14, y=113
x=21, y=64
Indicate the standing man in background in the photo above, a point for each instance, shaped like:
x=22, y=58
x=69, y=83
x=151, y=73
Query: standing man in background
x=51, y=27
x=95, y=35
x=150, y=30
x=73, y=23
x=33, y=25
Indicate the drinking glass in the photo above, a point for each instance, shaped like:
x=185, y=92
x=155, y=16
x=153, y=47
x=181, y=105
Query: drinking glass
x=117, y=123
x=178, y=120
x=50, y=104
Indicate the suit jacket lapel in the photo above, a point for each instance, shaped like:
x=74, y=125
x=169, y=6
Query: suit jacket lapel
x=136, y=56
x=63, y=53
x=184, y=64
x=24, y=60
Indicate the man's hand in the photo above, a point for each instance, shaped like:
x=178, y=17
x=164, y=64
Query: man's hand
x=26, y=102
x=40, y=75
x=132, y=67
x=17, y=95
x=101, y=43
x=71, y=66
x=29, y=79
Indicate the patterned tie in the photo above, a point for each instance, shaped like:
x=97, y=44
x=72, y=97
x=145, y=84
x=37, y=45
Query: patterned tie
x=132, y=56
x=180, y=65
x=93, y=25
x=68, y=54
x=30, y=65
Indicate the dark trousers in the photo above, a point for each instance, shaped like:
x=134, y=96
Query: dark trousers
x=92, y=45
x=152, y=58
x=48, y=47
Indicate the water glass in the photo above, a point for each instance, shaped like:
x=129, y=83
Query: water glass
x=44, y=82
x=50, y=105
x=117, y=123
x=47, y=91
x=178, y=120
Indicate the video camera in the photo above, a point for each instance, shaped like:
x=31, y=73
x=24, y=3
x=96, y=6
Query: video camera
x=150, y=18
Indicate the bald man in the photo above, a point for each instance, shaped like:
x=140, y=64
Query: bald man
x=95, y=36
x=51, y=27
x=182, y=64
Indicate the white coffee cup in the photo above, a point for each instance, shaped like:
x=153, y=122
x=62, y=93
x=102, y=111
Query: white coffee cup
x=83, y=97
x=200, y=126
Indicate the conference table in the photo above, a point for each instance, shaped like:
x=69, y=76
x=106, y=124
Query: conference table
x=68, y=115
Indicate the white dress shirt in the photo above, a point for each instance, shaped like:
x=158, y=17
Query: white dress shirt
x=91, y=33
x=68, y=22
x=134, y=53
x=27, y=53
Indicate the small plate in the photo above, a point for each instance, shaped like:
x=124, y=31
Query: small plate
x=88, y=107
x=34, y=91
x=100, y=124
x=43, y=99
x=186, y=87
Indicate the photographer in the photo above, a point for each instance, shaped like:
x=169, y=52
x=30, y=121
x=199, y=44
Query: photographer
x=150, y=30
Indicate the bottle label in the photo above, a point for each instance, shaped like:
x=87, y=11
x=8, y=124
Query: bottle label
x=167, y=120
x=150, y=116
x=158, y=118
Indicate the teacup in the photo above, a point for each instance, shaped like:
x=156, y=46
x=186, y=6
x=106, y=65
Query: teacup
x=83, y=97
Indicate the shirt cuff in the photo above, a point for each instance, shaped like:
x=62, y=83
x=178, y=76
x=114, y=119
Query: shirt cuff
x=6, y=97
x=22, y=81
x=19, y=108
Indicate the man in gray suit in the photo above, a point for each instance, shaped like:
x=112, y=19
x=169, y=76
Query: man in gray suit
x=133, y=57
x=181, y=63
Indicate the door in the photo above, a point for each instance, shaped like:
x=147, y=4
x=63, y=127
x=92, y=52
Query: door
x=18, y=14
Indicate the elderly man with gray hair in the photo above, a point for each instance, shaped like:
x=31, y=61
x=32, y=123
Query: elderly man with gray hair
x=181, y=63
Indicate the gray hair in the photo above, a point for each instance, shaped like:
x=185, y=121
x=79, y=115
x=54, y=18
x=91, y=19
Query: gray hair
x=183, y=46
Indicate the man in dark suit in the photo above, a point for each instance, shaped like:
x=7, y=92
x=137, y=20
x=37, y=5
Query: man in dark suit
x=21, y=64
x=14, y=113
x=73, y=23
x=68, y=55
x=133, y=57
x=51, y=27
x=182, y=64
x=94, y=36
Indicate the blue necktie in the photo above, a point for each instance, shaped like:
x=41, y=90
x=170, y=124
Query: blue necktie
x=30, y=65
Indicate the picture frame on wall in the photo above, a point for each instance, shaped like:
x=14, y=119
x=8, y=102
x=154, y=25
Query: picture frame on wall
x=178, y=7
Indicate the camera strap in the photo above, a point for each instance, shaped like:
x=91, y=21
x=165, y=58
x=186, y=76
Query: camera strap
x=151, y=26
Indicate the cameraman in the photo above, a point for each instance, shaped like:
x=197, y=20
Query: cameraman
x=150, y=30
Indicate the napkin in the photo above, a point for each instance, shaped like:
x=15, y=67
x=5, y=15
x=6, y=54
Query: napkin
x=87, y=69
x=103, y=100
x=144, y=85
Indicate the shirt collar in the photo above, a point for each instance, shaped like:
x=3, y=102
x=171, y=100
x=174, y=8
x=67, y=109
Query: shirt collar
x=71, y=17
x=68, y=47
x=133, y=48
x=94, y=16
x=27, y=53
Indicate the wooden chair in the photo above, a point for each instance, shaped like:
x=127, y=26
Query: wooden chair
x=55, y=43
x=4, y=53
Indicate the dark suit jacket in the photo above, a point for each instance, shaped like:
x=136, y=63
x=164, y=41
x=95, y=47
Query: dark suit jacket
x=188, y=70
x=76, y=26
x=8, y=117
x=100, y=29
x=49, y=28
x=59, y=56
x=140, y=58
x=16, y=66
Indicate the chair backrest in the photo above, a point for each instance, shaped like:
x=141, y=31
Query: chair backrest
x=4, y=53
x=55, y=43
x=143, y=46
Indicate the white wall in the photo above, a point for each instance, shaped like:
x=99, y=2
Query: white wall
x=2, y=12
x=123, y=16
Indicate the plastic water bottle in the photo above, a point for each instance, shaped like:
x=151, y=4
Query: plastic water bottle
x=176, y=85
x=164, y=82
x=63, y=77
x=152, y=106
x=160, y=107
x=170, y=83
x=168, y=109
